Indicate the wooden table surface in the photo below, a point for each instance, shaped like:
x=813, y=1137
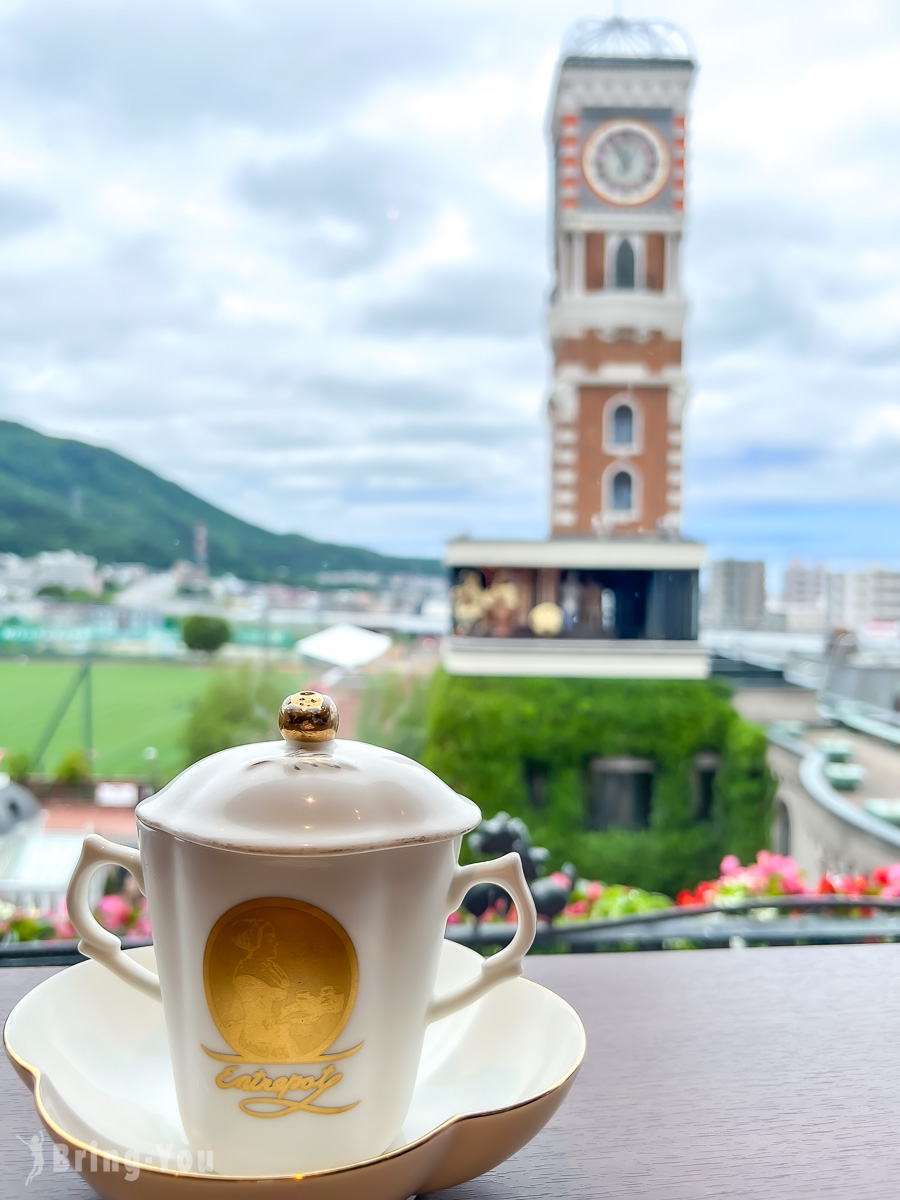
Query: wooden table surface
x=719, y=1073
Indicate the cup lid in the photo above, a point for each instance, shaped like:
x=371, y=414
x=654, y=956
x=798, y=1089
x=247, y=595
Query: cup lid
x=311, y=794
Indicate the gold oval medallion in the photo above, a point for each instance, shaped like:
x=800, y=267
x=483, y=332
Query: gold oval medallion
x=280, y=979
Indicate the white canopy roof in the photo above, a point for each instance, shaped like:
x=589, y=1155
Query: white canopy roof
x=345, y=646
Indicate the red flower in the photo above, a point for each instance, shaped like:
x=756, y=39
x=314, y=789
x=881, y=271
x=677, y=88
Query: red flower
x=685, y=897
x=880, y=876
x=826, y=887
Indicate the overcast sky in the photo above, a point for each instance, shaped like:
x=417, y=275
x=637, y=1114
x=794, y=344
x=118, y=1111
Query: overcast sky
x=294, y=257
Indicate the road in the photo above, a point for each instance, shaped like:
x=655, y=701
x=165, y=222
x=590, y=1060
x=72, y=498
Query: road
x=881, y=761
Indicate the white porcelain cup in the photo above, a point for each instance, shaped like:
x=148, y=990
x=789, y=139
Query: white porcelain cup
x=296, y=988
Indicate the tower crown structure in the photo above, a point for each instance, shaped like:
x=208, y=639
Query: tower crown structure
x=617, y=130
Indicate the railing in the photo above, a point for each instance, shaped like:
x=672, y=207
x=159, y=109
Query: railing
x=707, y=927
x=695, y=927
x=61, y=953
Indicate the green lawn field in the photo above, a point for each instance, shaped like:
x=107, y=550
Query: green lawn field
x=135, y=705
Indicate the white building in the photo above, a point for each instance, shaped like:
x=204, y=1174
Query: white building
x=21, y=578
x=15, y=578
x=803, y=584
x=66, y=569
x=737, y=595
x=857, y=597
x=803, y=604
x=122, y=575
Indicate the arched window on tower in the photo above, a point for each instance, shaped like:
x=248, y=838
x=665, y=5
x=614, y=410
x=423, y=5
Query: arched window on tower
x=625, y=265
x=621, y=491
x=623, y=425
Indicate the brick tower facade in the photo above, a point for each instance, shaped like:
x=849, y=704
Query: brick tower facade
x=617, y=131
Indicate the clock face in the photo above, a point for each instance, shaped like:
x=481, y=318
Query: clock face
x=625, y=162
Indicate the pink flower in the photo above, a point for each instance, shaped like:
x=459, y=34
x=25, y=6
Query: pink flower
x=893, y=874
x=578, y=908
x=729, y=864
x=142, y=925
x=113, y=912
x=561, y=879
x=453, y=919
x=593, y=891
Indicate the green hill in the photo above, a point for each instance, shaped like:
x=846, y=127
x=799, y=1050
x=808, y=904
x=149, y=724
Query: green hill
x=58, y=494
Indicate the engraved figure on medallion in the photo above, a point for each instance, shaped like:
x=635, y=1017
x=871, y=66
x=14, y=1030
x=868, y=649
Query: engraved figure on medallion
x=281, y=980
x=269, y=1011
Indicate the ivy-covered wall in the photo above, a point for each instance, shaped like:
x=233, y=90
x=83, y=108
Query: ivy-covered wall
x=482, y=734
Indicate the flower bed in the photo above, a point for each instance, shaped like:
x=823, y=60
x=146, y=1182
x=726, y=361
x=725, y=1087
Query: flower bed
x=119, y=913
x=770, y=875
x=777, y=875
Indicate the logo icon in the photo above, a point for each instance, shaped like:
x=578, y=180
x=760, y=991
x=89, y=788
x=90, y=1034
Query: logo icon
x=35, y=1144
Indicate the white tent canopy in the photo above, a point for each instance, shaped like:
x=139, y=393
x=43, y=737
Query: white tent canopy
x=345, y=646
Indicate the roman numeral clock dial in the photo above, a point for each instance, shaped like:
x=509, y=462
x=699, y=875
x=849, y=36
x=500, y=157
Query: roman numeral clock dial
x=625, y=162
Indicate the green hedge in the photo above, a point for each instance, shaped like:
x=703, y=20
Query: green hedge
x=482, y=734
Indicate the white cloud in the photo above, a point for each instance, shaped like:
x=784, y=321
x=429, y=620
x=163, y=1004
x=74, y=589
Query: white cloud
x=258, y=245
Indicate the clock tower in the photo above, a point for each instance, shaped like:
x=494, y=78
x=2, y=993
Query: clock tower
x=614, y=592
x=618, y=131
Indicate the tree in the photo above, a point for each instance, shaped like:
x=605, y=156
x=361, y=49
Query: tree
x=393, y=713
x=205, y=633
x=237, y=707
x=17, y=766
x=73, y=769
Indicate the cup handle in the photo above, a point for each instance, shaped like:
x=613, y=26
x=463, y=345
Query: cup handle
x=96, y=942
x=507, y=871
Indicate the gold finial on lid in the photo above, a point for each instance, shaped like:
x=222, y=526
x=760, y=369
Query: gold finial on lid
x=308, y=717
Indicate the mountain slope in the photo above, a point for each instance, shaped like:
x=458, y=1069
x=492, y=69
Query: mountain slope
x=58, y=494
